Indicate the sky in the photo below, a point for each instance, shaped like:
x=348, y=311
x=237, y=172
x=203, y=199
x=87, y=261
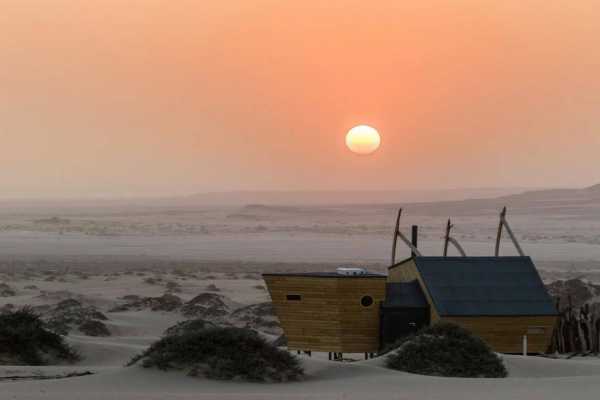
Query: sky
x=148, y=97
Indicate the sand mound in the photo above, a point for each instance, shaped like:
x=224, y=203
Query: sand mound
x=166, y=302
x=260, y=317
x=206, y=305
x=70, y=314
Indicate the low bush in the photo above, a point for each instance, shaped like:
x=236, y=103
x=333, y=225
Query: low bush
x=221, y=353
x=189, y=326
x=24, y=339
x=448, y=350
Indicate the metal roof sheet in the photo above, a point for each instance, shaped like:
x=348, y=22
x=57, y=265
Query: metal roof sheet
x=494, y=286
x=404, y=294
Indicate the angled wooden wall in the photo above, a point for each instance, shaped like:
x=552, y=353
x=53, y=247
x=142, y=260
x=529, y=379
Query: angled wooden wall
x=329, y=317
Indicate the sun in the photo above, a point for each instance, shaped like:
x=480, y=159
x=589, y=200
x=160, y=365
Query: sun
x=363, y=139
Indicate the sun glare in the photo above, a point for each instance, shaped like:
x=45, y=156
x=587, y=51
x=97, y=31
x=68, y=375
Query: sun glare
x=363, y=139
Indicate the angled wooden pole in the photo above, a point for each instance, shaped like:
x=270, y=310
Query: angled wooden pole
x=447, y=237
x=399, y=234
x=396, y=230
x=504, y=224
x=458, y=246
x=499, y=234
x=511, y=234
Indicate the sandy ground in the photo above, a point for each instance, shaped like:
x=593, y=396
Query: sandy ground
x=532, y=378
x=132, y=331
x=98, y=255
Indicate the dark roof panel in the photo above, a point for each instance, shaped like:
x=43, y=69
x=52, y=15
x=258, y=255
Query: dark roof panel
x=501, y=286
x=405, y=294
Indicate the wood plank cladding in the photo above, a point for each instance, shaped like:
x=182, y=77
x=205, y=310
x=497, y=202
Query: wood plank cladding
x=329, y=317
x=505, y=334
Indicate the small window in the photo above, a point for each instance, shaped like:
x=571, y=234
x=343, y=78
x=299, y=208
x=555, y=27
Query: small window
x=536, y=330
x=366, y=301
x=294, y=297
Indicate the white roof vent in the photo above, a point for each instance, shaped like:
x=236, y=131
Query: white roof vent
x=351, y=271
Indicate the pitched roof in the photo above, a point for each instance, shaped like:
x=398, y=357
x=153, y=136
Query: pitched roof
x=490, y=286
x=404, y=294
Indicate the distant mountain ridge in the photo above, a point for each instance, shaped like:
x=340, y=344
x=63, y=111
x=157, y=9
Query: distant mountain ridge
x=345, y=197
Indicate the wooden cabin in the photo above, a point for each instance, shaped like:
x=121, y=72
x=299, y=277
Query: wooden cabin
x=329, y=312
x=500, y=299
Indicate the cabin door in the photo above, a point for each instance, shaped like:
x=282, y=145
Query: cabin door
x=398, y=322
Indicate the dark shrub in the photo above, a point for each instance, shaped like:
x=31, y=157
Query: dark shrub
x=166, y=302
x=69, y=314
x=206, y=305
x=6, y=291
x=24, y=339
x=189, y=326
x=222, y=353
x=94, y=328
x=446, y=349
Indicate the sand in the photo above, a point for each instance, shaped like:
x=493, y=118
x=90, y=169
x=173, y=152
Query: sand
x=97, y=255
x=132, y=331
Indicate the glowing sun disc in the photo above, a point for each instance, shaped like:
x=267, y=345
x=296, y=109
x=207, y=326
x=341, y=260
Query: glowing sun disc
x=363, y=139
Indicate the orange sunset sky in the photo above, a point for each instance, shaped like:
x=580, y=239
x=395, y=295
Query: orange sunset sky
x=147, y=97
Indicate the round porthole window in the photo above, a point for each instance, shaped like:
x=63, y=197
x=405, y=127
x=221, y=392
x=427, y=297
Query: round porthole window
x=366, y=301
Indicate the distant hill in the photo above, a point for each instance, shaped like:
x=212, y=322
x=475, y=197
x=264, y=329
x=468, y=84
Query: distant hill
x=584, y=201
x=345, y=197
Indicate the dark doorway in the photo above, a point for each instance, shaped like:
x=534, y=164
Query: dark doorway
x=398, y=322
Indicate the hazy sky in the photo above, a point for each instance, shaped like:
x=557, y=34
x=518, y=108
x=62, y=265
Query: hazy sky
x=121, y=97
